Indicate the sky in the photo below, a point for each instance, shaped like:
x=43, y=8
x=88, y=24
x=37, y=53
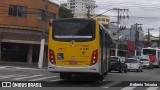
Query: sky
x=146, y=12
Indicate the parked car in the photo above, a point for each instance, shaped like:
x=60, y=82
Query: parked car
x=137, y=57
x=134, y=64
x=146, y=63
x=116, y=64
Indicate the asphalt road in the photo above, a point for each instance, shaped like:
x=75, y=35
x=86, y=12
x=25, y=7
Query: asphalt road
x=113, y=81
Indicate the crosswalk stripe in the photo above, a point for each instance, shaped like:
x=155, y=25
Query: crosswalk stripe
x=152, y=88
x=27, y=68
x=5, y=67
x=11, y=67
x=38, y=79
x=56, y=80
x=7, y=76
x=28, y=77
x=128, y=88
x=111, y=84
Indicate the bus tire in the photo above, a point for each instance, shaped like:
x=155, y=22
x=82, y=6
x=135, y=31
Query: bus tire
x=65, y=75
x=101, y=77
x=106, y=72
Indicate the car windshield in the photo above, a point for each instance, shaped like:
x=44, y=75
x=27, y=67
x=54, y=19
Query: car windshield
x=131, y=61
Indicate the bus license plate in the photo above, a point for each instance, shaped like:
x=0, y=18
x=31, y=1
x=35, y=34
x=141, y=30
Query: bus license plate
x=73, y=63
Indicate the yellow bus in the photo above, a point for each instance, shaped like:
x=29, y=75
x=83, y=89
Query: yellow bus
x=78, y=46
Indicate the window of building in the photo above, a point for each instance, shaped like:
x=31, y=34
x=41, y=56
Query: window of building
x=99, y=19
x=15, y=10
x=103, y=19
x=107, y=20
x=40, y=15
x=72, y=6
x=52, y=16
x=72, y=0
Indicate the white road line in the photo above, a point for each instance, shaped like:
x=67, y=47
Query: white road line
x=28, y=77
x=128, y=88
x=56, y=80
x=27, y=68
x=38, y=79
x=111, y=84
x=6, y=66
x=152, y=88
x=11, y=67
x=7, y=76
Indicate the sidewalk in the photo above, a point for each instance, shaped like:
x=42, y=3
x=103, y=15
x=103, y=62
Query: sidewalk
x=21, y=64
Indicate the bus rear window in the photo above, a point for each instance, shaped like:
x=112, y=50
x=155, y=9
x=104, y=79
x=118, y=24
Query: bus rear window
x=73, y=29
x=149, y=52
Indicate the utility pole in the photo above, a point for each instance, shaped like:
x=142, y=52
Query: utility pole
x=89, y=9
x=41, y=54
x=159, y=34
x=118, y=25
x=148, y=37
x=137, y=36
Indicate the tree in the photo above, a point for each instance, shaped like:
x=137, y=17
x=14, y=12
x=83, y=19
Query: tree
x=65, y=13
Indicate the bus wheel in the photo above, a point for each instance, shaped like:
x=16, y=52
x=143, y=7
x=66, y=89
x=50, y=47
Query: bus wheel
x=101, y=77
x=65, y=75
x=106, y=72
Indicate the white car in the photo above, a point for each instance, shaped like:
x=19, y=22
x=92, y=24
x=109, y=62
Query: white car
x=146, y=62
x=134, y=64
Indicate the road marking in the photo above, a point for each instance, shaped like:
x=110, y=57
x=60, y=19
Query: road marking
x=28, y=77
x=152, y=88
x=128, y=88
x=38, y=79
x=11, y=67
x=7, y=76
x=56, y=80
x=111, y=84
x=27, y=68
x=6, y=67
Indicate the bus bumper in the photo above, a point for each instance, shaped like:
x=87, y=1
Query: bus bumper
x=86, y=69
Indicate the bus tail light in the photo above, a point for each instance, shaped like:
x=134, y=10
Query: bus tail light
x=52, y=57
x=94, y=57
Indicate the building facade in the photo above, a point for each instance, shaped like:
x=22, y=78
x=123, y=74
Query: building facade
x=22, y=23
x=135, y=36
x=63, y=5
x=103, y=19
x=78, y=7
x=118, y=38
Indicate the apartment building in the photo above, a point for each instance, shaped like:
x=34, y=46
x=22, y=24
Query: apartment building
x=78, y=7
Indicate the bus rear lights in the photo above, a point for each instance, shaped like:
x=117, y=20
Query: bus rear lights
x=52, y=56
x=93, y=62
x=94, y=57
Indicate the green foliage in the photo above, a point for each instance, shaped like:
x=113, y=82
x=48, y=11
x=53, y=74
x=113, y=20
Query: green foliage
x=65, y=13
